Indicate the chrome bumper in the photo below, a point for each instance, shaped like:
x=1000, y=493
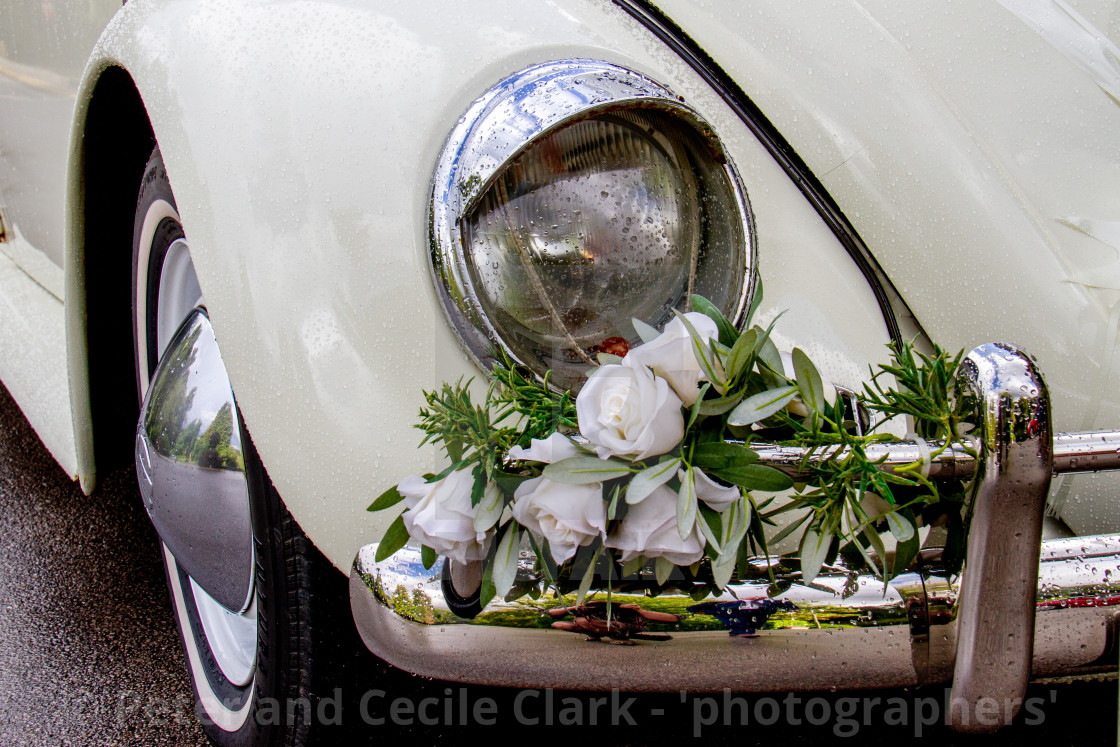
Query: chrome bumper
x=1022, y=607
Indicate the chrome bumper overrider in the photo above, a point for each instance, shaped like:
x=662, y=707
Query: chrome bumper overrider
x=1022, y=607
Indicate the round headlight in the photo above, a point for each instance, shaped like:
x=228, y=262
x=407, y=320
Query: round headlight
x=573, y=198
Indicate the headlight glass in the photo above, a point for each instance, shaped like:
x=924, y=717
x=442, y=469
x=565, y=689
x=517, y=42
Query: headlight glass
x=553, y=239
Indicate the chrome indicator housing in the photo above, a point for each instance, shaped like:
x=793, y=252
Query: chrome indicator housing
x=573, y=197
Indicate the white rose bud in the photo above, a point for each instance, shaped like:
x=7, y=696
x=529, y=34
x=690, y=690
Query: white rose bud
x=440, y=516
x=625, y=410
x=672, y=357
x=568, y=516
x=650, y=530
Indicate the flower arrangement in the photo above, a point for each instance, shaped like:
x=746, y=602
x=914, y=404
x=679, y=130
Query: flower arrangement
x=652, y=461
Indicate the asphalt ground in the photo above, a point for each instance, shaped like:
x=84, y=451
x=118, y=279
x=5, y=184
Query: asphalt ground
x=89, y=656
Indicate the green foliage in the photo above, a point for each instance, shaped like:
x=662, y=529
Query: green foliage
x=747, y=396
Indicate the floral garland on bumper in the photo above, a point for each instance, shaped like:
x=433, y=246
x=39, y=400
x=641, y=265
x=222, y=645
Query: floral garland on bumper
x=652, y=461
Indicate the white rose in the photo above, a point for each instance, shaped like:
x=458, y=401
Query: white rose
x=796, y=406
x=671, y=355
x=718, y=497
x=625, y=410
x=568, y=516
x=440, y=516
x=548, y=450
x=650, y=530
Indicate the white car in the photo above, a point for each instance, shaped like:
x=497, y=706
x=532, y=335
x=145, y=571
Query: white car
x=300, y=184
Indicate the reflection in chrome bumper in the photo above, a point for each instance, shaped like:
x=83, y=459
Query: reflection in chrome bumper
x=843, y=630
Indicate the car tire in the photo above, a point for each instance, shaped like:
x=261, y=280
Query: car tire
x=251, y=673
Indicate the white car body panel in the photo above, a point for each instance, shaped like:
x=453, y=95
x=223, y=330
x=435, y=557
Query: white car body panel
x=941, y=131
x=285, y=157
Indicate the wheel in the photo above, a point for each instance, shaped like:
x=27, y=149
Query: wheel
x=238, y=567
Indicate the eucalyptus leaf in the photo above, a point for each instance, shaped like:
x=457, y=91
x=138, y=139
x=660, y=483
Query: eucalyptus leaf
x=581, y=470
x=608, y=359
x=612, y=504
x=662, y=570
x=504, y=567
x=396, y=537
x=721, y=455
x=646, y=481
x=762, y=405
x=645, y=331
x=808, y=380
x=814, y=549
x=390, y=497
x=686, y=505
x=727, y=332
x=756, y=477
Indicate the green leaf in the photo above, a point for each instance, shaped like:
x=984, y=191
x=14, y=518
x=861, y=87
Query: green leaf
x=762, y=405
x=904, y=554
x=710, y=525
x=396, y=537
x=428, y=556
x=632, y=566
x=808, y=380
x=721, y=455
x=390, y=497
x=741, y=354
x=727, y=332
x=789, y=529
x=588, y=576
x=694, y=411
x=487, y=591
x=719, y=405
x=645, y=331
x=686, y=505
x=608, y=359
x=756, y=301
x=722, y=569
x=662, y=570
x=900, y=527
x=703, y=353
x=646, y=481
x=769, y=355
x=756, y=477
x=504, y=566
x=814, y=549
x=509, y=482
x=489, y=509
x=581, y=470
x=612, y=504
x=478, y=488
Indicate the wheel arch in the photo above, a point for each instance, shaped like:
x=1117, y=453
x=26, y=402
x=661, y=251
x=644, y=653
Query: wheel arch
x=112, y=140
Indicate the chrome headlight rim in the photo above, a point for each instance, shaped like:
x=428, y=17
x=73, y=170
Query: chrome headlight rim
x=505, y=123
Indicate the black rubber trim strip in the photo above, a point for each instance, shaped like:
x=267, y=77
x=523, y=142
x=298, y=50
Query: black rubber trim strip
x=688, y=50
